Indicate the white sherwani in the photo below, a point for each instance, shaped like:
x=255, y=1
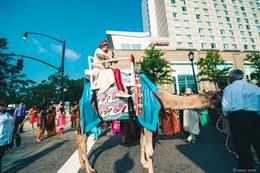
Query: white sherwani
x=103, y=75
x=191, y=122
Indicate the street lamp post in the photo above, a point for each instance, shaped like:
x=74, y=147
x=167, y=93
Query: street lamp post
x=191, y=58
x=61, y=70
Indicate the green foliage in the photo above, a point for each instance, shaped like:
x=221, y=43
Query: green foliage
x=210, y=69
x=155, y=67
x=48, y=91
x=12, y=80
x=254, y=59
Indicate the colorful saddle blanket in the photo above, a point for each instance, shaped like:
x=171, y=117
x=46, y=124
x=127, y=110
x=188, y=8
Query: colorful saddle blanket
x=111, y=107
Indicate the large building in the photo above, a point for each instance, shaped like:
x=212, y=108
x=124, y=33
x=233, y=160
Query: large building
x=177, y=26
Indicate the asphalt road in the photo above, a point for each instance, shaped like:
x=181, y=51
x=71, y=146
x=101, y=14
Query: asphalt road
x=109, y=155
x=171, y=155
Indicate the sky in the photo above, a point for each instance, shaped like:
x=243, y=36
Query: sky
x=81, y=23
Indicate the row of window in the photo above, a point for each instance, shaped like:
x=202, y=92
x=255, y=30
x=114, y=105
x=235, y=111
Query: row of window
x=131, y=46
x=213, y=46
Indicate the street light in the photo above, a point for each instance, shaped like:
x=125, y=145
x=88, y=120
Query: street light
x=191, y=58
x=25, y=37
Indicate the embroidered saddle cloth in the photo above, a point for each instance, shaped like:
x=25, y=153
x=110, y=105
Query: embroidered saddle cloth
x=111, y=107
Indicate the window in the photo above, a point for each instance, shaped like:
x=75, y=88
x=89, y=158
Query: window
x=186, y=23
x=229, y=25
x=238, y=20
x=201, y=30
x=253, y=47
x=197, y=16
x=188, y=37
x=219, y=18
x=174, y=14
x=199, y=23
x=244, y=14
x=242, y=8
x=179, y=44
x=232, y=39
x=244, y=40
x=178, y=37
x=235, y=7
x=248, y=27
x=256, y=22
x=242, y=33
x=203, y=45
x=245, y=46
x=207, y=17
x=224, y=6
x=225, y=46
x=228, y=19
x=217, y=12
x=236, y=13
x=250, y=33
x=125, y=46
x=221, y=25
x=173, y=1
x=216, y=5
x=234, y=46
x=136, y=46
x=213, y=45
x=197, y=10
x=246, y=20
x=231, y=32
x=209, y=24
x=190, y=45
x=240, y=26
x=202, y=37
x=186, y=81
x=211, y=38
x=177, y=29
x=206, y=11
x=226, y=12
x=252, y=40
x=184, y=8
x=222, y=32
x=210, y=31
x=224, y=39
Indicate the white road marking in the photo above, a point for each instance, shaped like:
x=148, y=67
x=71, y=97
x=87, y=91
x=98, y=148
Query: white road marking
x=72, y=164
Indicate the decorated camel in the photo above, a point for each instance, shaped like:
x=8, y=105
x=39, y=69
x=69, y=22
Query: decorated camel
x=144, y=103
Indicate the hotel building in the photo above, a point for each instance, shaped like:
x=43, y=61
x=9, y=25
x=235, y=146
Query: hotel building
x=178, y=26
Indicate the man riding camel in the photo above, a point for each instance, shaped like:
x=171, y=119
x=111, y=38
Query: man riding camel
x=104, y=75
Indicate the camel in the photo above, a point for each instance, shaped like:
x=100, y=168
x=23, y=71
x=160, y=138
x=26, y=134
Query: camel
x=197, y=101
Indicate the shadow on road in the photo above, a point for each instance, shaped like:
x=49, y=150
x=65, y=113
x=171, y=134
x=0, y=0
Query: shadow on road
x=124, y=164
x=20, y=164
x=209, y=153
x=107, y=145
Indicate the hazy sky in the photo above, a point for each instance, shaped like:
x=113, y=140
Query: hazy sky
x=81, y=23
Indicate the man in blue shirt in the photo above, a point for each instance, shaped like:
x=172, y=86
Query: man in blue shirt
x=241, y=104
x=19, y=115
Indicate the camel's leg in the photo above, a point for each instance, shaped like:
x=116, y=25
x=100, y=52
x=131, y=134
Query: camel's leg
x=142, y=145
x=149, y=149
x=82, y=150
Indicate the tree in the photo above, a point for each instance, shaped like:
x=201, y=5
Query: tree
x=212, y=69
x=155, y=67
x=254, y=59
x=12, y=80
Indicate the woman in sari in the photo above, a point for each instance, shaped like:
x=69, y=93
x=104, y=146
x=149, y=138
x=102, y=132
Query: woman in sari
x=61, y=117
x=50, y=126
x=33, y=114
x=42, y=123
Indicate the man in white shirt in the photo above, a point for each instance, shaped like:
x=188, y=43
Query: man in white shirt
x=104, y=75
x=6, y=130
x=241, y=104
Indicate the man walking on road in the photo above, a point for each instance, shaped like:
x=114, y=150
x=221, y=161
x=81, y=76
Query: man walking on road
x=241, y=104
x=19, y=115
